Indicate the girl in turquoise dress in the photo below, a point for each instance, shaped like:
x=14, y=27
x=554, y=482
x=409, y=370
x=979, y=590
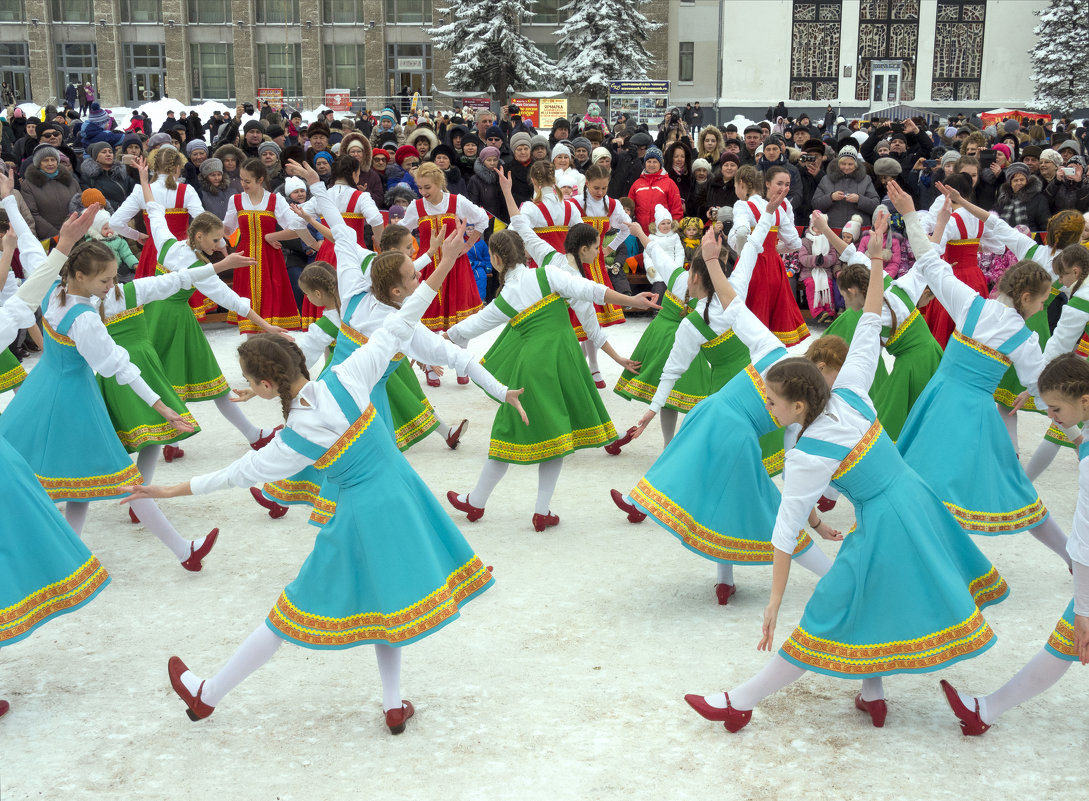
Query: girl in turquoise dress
x=45, y=570
x=729, y=520
x=388, y=578
x=905, y=589
x=1064, y=388
x=12, y=373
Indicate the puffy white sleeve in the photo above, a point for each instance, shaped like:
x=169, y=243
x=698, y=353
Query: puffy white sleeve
x=619, y=218
x=1028, y=361
x=788, y=231
x=860, y=365
x=351, y=280
x=230, y=219
x=366, y=206
x=475, y=216
x=106, y=357
x=805, y=478
x=476, y=324
x=913, y=282
x=31, y=255
x=411, y=220
x=14, y=316
x=161, y=287
x=313, y=342
x=1007, y=236
x=746, y=260
x=273, y=462
x=989, y=242
x=748, y=328
x=574, y=287
x=743, y=223
x=686, y=347
x=928, y=219
x=131, y=206
x=1072, y=323
x=532, y=214
x=192, y=202
x=427, y=347
x=176, y=255
x=955, y=295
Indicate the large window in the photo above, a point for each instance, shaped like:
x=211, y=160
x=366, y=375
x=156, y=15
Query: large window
x=210, y=12
x=887, y=30
x=72, y=11
x=213, y=71
x=344, y=68
x=958, y=49
x=280, y=66
x=409, y=12
x=814, y=52
x=12, y=11
x=277, y=12
x=141, y=11
x=686, y=61
x=548, y=12
x=77, y=62
x=15, y=69
x=343, y=12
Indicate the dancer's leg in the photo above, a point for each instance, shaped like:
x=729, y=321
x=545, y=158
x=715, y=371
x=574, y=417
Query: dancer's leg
x=872, y=690
x=1011, y=426
x=774, y=676
x=389, y=670
x=589, y=349
x=1042, y=459
x=153, y=519
x=1041, y=672
x=548, y=473
x=257, y=649
x=146, y=461
x=724, y=573
x=814, y=560
x=1051, y=535
x=490, y=475
x=75, y=512
x=237, y=418
x=669, y=424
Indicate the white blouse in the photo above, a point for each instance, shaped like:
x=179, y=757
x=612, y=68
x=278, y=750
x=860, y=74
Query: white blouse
x=988, y=242
x=521, y=290
x=806, y=476
x=913, y=282
x=789, y=240
x=315, y=414
x=134, y=204
x=314, y=340
x=619, y=218
x=475, y=217
x=155, y=287
x=341, y=194
x=179, y=256
x=1078, y=543
x=556, y=207
x=14, y=317
x=1009, y=237
x=284, y=215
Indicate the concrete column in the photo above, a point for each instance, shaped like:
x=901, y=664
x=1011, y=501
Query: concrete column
x=848, y=51
x=245, y=52
x=108, y=45
x=924, y=60
x=440, y=65
x=658, y=41
x=179, y=72
x=374, y=48
x=313, y=53
x=43, y=59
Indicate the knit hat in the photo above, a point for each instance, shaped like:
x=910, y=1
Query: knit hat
x=560, y=122
x=264, y=146
x=274, y=131
x=158, y=140
x=593, y=110
x=488, y=153
x=91, y=196
x=1052, y=156
x=888, y=167
x=950, y=132
x=208, y=166
x=701, y=164
x=847, y=152
x=404, y=152
x=388, y=114
x=324, y=154
x=1009, y=126
x=102, y=219
x=653, y=153
x=98, y=115
x=520, y=138
x=949, y=157
x=195, y=144
x=380, y=151
x=776, y=139
x=854, y=226
x=493, y=132
x=132, y=139
x=1017, y=168
x=600, y=153
x=1005, y=149
x=898, y=135
x=581, y=141
x=882, y=145
x=731, y=157
x=661, y=214
x=561, y=149
x=1069, y=144
x=1032, y=151
x=293, y=184
x=879, y=209
x=97, y=148
x=253, y=125
x=44, y=152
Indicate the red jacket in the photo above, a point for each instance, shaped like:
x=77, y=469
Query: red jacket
x=649, y=191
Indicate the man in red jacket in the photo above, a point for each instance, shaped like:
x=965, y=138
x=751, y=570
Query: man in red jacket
x=654, y=186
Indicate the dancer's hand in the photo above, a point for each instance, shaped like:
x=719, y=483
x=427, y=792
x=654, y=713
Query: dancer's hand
x=234, y=261
x=877, y=236
x=710, y=248
x=641, y=426
x=644, y=301
x=827, y=532
x=1081, y=638
x=942, y=220
x=901, y=199
x=771, y=614
x=243, y=395
x=76, y=227
x=140, y=163
x=506, y=180
x=273, y=243
x=513, y=398
x=1019, y=403
x=818, y=222
x=7, y=183
x=437, y=369
x=173, y=417
x=139, y=492
x=951, y=193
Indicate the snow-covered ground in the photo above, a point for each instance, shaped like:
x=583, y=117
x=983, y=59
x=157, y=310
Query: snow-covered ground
x=564, y=681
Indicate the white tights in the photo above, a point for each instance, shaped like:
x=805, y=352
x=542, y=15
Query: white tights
x=1051, y=535
x=669, y=424
x=548, y=473
x=812, y=560
x=774, y=676
x=237, y=418
x=151, y=517
x=1041, y=459
x=590, y=351
x=146, y=461
x=258, y=649
x=1041, y=672
x=1011, y=426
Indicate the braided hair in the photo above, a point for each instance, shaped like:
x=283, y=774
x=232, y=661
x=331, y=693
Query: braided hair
x=1025, y=276
x=1073, y=257
x=272, y=358
x=856, y=276
x=322, y=276
x=830, y=349
x=1067, y=375
x=798, y=379
x=90, y=258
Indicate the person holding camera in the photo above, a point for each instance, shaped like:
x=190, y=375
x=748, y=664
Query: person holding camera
x=1066, y=187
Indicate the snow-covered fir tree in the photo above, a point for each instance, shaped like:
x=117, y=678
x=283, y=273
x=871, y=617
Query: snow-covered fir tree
x=1059, y=66
x=603, y=41
x=487, y=47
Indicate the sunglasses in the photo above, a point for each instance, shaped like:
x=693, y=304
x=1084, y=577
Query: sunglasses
x=51, y=134
x=494, y=139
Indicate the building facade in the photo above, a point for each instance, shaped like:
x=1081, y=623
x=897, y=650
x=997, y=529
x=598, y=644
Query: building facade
x=734, y=54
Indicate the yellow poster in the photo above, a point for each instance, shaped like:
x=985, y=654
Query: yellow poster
x=552, y=108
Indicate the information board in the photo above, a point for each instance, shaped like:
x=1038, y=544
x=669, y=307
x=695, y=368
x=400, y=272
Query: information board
x=274, y=97
x=551, y=109
x=643, y=101
x=338, y=99
x=529, y=109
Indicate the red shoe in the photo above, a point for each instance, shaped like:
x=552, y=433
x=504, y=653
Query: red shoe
x=275, y=511
x=197, y=709
x=614, y=447
x=4, y=707
x=471, y=512
x=971, y=724
x=396, y=718
x=541, y=522
x=132, y=516
x=463, y=379
x=432, y=378
x=172, y=452
x=192, y=564
x=733, y=719
x=877, y=709
x=634, y=515
x=826, y=504
x=265, y=440
x=599, y=382
x=453, y=437
x=723, y=593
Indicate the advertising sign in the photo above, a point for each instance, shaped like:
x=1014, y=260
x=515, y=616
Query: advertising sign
x=338, y=99
x=551, y=109
x=274, y=97
x=528, y=108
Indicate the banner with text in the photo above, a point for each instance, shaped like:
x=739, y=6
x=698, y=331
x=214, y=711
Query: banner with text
x=338, y=99
x=528, y=107
x=551, y=109
x=274, y=97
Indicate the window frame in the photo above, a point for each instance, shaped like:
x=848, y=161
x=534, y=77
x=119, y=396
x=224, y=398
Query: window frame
x=125, y=13
x=193, y=5
x=391, y=8
x=197, y=69
x=327, y=13
x=691, y=62
x=261, y=9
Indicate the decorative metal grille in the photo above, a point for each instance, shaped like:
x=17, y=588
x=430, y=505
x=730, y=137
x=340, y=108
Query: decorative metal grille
x=887, y=29
x=958, y=49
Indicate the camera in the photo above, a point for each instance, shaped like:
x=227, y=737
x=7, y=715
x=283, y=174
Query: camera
x=1069, y=172
x=898, y=127
x=930, y=163
x=674, y=117
x=248, y=108
x=807, y=157
x=987, y=158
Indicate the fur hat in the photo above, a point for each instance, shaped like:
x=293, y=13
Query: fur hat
x=520, y=138
x=560, y=122
x=600, y=153
x=293, y=184
x=317, y=128
x=888, y=167
x=210, y=165
x=854, y=226
x=594, y=134
x=1031, y=151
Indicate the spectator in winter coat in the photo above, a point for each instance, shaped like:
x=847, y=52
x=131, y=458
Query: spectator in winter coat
x=483, y=188
x=454, y=135
x=408, y=161
x=627, y=163
x=387, y=130
x=494, y=137
x=70, y=95
x=47, y=190
x=696, y=204
x=846, y=189
x=444, y=158
x=101, y=232
x=518, y=166
x=354, y=144
x=96, y=129
x=232, y=159
x=424, y=140
x=581, y=147
x=196, y=151
x=812, y=171
x=710, y=144
x=1021, y=199
x=906, y=146
x=212, y=187
x=775, y=155
x=652, y=188
x=561, y=130
x=754, y=135
x=1064, y=191
x=721, y=194
x=678, y=161
x=470, y=149
x=101, y=171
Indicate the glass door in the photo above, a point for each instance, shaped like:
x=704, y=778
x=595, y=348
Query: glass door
x=885, y=83
x=146, y=66
x=146, y=87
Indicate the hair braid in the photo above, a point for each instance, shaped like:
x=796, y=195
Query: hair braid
x=1067, y=375
x=270, y=357
x=798, y=379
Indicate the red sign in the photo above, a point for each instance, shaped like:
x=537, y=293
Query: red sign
x=338, y=99
x=527, y=107
x=477, y=103
x=274, y=97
